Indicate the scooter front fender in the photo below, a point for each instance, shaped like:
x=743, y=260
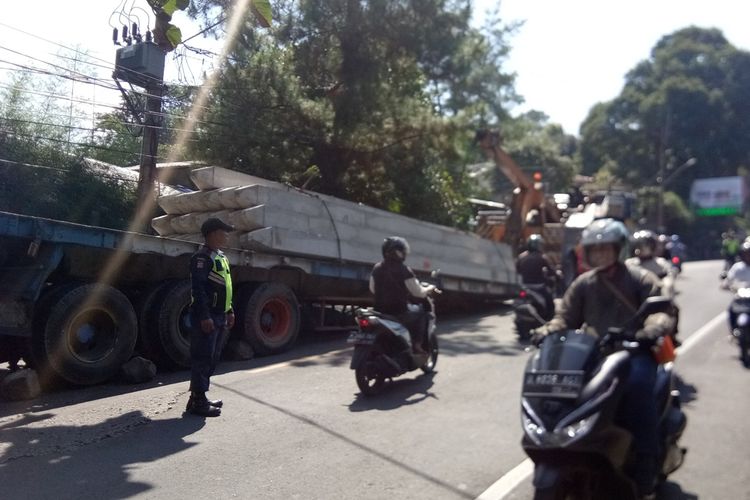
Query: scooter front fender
x=546, y=475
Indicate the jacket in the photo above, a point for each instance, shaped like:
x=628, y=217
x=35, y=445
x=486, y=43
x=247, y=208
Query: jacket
x=589, y=302
x=211, y=283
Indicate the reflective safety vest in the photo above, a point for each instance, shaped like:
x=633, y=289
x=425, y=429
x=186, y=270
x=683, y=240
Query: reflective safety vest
x=220, y=275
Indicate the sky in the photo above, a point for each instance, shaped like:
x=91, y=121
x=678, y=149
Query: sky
x=567, y=55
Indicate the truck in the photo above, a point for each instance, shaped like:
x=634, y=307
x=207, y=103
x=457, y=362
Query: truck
x=531, y=211
x=77, y=301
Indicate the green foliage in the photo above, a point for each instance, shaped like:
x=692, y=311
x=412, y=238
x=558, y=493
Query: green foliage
x=41, y=168
x=686, y=101
x=381, y=96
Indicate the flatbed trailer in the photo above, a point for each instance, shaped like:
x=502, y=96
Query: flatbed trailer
x=77, y=301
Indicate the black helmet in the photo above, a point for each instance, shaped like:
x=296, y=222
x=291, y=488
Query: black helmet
x=644, y=242
x=535, y=243
x=395, y=248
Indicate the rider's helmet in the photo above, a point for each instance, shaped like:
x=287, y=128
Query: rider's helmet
x=745, y=252
x=644, y=242
x=605, y=232
x=395, y=248
x=535, y=243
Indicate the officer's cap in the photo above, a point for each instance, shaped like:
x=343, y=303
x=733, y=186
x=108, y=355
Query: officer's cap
x=214, y=224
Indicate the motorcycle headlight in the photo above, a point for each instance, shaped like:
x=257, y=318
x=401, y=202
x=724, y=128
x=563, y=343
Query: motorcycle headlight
x=534, y=430
x=572, y=432
x=743, y=319
x=561, y=436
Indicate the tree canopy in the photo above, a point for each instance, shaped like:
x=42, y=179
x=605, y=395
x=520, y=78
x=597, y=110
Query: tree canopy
x=380, y=98
x=688, y=100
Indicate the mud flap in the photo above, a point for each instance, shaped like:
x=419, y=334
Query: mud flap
x=361, y=353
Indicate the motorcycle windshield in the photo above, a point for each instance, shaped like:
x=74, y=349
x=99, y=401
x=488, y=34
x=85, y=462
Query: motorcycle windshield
x=569, y=350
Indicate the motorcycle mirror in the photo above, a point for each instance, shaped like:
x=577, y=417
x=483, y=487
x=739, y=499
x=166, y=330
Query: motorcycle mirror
x=653, y=305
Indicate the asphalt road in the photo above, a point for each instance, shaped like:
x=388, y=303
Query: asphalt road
x=295, y=426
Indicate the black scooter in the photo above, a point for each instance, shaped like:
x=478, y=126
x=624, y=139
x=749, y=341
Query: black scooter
x=740, y=313
x=533, y=307
x=571, y=393
x=383, y=347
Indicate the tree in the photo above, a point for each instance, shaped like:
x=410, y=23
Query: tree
x=42, y=171
x=381, y=97
x=686, y=101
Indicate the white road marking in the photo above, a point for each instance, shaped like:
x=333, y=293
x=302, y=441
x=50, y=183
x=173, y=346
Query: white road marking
x=701, y=332
x=510, y=481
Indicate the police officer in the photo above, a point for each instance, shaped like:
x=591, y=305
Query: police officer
x=210, y=314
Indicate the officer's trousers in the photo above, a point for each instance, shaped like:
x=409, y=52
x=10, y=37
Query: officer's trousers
x=205, y=351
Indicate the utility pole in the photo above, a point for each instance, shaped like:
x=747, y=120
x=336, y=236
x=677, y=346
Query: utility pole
x=147, y=174
x=142, y=64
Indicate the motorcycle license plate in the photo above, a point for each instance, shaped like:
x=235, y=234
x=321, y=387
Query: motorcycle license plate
x=558, y=384
x=361, y=338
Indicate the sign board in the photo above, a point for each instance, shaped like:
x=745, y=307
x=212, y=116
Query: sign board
x=718, y=196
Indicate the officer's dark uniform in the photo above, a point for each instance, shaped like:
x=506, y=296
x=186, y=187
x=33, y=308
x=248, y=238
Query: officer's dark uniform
x=211, y=299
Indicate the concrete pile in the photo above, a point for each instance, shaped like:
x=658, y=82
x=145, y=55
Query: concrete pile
x=275, y=218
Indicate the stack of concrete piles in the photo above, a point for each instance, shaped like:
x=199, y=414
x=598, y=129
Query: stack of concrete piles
x=275, y=218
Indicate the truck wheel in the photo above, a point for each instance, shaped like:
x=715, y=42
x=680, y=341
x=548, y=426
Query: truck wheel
x=37, y=350
x=90, y=332
x=146, y=308
x=172, y=309
x=268, y=317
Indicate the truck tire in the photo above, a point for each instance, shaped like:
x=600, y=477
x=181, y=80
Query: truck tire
x=90, y=332
x=37, y=350
x=171, y=326
x=149, y=344
x=268, y=317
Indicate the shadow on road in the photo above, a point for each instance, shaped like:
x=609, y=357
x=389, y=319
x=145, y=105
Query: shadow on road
x=398, y=393
x=337, y=435
x=688, y=392
x=673, y=491
x=460, y=334
x=68, y=469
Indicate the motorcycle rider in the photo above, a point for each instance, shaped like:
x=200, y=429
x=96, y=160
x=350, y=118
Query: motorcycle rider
x=645, y=244
x=393, y=284
x=608, y=296
x=729, y=249
x=738, y=275
x=536, y=269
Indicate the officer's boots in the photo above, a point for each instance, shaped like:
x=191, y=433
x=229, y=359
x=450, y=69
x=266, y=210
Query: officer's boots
x=198, y=404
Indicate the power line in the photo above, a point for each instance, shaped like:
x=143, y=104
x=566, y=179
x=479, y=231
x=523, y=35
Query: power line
x=58, y=169
x=85, y=76
x=73, y=143
x=106, y=86
x=94, y=103
x=93, y=129
x=109, y=63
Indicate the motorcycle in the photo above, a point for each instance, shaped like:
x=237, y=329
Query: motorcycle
x=570, y=397
x=533, y=307
x=383, y=347
x=677, y=263
x=740, y=314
